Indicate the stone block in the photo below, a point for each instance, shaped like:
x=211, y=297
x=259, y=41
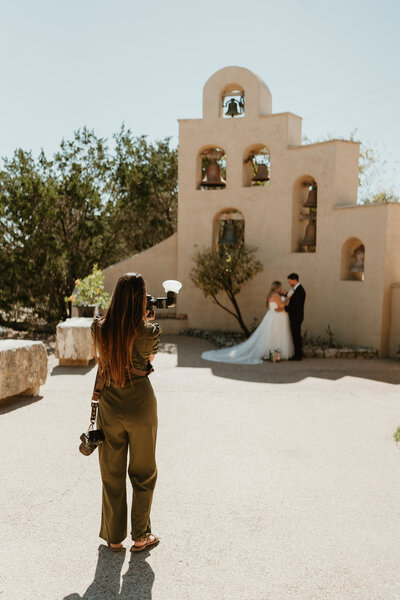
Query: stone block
x=362, y=353
x=74, y=344
x=330, y=353
x=23, y=367
x=319, y=353
x=346, y=353
x=308, y=352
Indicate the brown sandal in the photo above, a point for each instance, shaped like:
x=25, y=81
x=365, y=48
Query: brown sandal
x=150, y=540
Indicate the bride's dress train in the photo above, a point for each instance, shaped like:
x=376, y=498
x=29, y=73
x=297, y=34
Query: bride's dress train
x=273, y=333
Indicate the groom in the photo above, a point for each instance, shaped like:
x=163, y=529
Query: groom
x=295, y=308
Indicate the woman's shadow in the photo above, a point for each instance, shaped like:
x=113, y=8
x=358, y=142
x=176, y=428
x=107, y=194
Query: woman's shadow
x=137, y=582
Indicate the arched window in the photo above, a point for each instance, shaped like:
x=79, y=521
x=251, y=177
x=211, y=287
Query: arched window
x=352, y=262
x=256, y=166
x=212, y=168
x=232, y=101
x=228, y=228
x=304, y=214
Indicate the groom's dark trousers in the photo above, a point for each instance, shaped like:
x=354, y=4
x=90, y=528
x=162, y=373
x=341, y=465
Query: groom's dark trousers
x=295, y=309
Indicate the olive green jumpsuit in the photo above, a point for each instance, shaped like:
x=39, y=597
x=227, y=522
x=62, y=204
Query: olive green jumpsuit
x=128, y=419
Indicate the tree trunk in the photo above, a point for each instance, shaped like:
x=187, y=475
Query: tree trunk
x=238, y=315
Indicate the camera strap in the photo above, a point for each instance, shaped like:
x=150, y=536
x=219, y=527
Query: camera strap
x=98, y=388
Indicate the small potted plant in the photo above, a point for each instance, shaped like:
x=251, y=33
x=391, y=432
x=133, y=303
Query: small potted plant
x=275, y=355
x=89, y=293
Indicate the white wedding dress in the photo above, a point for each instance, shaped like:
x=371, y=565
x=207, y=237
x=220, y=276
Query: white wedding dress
x=273, y=333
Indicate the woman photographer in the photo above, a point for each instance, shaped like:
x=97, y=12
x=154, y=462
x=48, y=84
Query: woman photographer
x=125, y=344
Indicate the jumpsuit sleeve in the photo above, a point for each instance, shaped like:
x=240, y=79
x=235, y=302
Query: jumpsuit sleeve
x=154, y=338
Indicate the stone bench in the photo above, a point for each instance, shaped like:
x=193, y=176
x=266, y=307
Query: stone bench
x=74, y=344
x=23, y=367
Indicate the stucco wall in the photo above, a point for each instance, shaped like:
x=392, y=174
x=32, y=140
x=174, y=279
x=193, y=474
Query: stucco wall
x=391, y=301
x=155, y=264
x=394, y=342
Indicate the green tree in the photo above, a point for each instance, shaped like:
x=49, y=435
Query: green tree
x=225, y=273
x=144, y=189
x=87, y=205
x=51, y=226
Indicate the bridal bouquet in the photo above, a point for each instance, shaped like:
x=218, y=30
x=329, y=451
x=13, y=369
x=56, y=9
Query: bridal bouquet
x=275, y=355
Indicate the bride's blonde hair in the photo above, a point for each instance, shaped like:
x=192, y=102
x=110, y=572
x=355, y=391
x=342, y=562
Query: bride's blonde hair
x=275, y=285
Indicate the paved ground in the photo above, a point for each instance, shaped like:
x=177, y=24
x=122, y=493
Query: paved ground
x=276, y=482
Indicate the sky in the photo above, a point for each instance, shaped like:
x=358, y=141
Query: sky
x=99, y=64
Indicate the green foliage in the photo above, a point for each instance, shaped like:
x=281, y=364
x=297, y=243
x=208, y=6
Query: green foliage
x=331, y=336
x=225, y=272
x=51, y=226
x=396, y=435
x=90, y=290
x=86, y=205
x=144, y=188
x=383, y=198
x=319, y=340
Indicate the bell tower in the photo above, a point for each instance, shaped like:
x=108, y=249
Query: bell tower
x=227, y=164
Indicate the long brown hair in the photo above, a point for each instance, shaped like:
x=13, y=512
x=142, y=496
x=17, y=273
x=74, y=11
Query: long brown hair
x=117, y=329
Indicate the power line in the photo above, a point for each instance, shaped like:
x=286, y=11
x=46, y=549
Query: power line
x=353, y=99
x=380, y=124
x=350, y=110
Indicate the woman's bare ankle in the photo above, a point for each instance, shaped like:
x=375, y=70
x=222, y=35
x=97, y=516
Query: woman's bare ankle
x=140, y=541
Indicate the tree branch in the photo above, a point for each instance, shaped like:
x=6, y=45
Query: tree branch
x=222, y=306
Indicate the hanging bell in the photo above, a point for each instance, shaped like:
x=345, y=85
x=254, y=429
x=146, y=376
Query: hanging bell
x=312, y=198
x=310, y=238
x=357, y=263
x=213, y=177
x=261, y=174
x=229, y=234
x=232, y=108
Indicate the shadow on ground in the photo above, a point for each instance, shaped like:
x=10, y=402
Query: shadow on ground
x=189, y=351
x=63, y=370
x=13, y=402
x=137, y=582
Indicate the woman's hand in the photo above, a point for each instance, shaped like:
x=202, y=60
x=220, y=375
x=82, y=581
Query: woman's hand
x=281, y=305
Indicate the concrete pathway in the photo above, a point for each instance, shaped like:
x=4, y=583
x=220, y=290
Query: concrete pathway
x=276, y=482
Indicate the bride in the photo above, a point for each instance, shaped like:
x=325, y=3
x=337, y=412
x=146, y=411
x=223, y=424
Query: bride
x=273, y=333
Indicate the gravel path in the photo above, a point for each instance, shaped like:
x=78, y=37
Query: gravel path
x=276, y=482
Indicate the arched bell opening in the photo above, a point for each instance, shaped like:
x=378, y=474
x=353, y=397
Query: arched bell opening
x=256, y=166
x=304, y=211
x=212, y=169
x=228, y=229
x=352, y=260
x=232, y=101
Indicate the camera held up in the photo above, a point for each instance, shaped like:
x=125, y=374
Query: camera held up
x=171, y=288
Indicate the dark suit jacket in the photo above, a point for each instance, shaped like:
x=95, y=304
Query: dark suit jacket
x=295, y=308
